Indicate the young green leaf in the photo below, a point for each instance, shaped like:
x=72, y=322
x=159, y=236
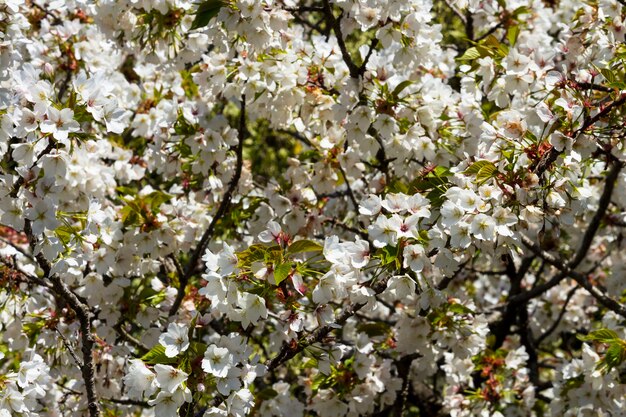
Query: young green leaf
x=281, y=272
x=207, y=11
x=600, y=336
x=157, y=355
x=304, y=245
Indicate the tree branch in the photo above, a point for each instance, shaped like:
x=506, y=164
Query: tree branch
x=30, y=278
x=192, y=266
x=582, y=280
x=349, y=189
x=587, y=239
x=136, y=343
x=592, y=86
x=603, y=204
x=549, y=157
x=83, y=313
x=335, y=23
x=554, y=325
x=288, y=350
x=20, y=181
x=373, y=46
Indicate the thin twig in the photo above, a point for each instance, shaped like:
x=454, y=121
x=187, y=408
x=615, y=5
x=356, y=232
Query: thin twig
x=582, y=280
x=554, y=325
x=136, y=343
x=127, y=401
x=489, y=32
x=302, y=9
x=121, y=401
x=349, y=189
x=344, y=226
x=79, y=363
x=17, y=248
x=592, y=86
x=373, y=45
x=55, y=19
x=64, y=85
x=30, y=278
x=298, y=136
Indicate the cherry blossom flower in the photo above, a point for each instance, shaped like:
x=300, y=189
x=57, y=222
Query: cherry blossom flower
x=169, y=378
x=212, y=208
x=60, y=123
x=139, y=380
x=176, y=340
x=217, y=361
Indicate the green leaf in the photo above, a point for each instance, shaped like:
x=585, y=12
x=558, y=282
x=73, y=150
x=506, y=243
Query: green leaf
x=460, y=309
x=157, y=355
x=531, y=136
x=126, y=190
x=485, y=173
x=475, y=168
x=281, y=272
x=389, y=255
x=470, y=54
x=185, y=365
x=318, y=381
x=520, y=10
x=397, y=186
x=609, y=75
x=304, y=246
x=435, y=182
x=155, y=199
x=65, y=233
x=619, y=85
x=440, y=171
x=130, y=215
x=484, y=170
x=512, y=34
x=495, y=46
x=254, y=253
x=600, y=336
x=207, y=11
x=503, y=50
x=491, y=41
x=310, y=364
x=396, y=91
x=572, y=383
x=197, y=349
x=614, y=356
x=34, y=327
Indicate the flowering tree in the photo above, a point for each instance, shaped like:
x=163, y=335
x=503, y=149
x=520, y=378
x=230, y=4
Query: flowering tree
x=318, y=207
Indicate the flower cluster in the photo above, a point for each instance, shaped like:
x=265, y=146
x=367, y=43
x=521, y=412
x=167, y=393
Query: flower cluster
x=312, y=207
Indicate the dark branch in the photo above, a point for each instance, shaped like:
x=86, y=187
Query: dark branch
x=603, y=204
x=581, y=279
x=83, y=313
x=549, y=157
x=335, y=23
x=192, y=266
